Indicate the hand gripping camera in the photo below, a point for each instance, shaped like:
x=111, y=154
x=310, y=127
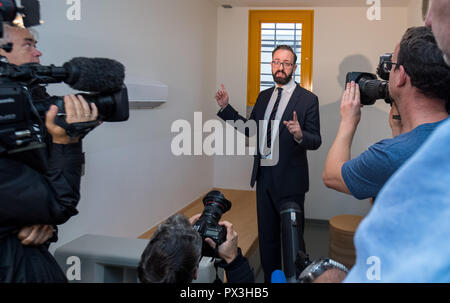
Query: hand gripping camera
x=208, y=224
x=371, y=88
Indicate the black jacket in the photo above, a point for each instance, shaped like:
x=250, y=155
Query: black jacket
x=239, y=270
x=28, y=197
x=291, y=172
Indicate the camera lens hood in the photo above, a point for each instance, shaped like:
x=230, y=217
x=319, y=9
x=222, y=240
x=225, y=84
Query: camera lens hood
x=217, y=198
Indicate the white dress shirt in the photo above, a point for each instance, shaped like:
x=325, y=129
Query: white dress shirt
x=286, y=95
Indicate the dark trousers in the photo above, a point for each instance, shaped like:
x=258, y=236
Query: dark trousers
x=269, y=202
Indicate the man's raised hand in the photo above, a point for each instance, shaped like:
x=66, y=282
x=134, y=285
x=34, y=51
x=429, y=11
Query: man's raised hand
x=222, y=97
x=294, y=128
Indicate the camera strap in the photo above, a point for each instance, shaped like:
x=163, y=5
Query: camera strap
x=216, y=252
x=216, y=266
x=216, y=259
x=80, y=129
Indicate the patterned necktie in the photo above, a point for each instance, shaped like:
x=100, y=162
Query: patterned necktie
x=272, y=117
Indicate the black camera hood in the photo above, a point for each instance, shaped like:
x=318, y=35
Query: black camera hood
x=217, y=197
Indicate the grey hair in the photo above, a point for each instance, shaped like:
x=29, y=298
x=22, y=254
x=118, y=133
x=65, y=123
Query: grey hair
x=7, y=32
x=173, y=253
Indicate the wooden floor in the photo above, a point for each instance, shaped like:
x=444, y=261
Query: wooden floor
x=242, y=215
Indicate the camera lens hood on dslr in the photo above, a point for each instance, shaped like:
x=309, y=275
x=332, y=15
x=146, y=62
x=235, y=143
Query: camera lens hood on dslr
x=216, y=197
x=208, y=224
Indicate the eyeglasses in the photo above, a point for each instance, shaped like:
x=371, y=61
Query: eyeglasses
x=386, y=62
x=387, y=66
x=284, y=64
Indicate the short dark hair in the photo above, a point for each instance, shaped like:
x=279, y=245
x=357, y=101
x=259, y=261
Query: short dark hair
x=424, y=63
x=285, y=47
x=173, y=253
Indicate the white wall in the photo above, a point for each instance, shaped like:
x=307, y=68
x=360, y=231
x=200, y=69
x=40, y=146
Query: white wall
x=344, y=40
x=415, y=17
x=132, y=180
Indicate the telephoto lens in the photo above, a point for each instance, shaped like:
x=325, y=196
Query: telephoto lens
x=208, y=224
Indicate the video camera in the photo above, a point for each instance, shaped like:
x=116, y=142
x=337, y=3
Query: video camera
x=371, y=88
x=208, y=224
x=22, y=114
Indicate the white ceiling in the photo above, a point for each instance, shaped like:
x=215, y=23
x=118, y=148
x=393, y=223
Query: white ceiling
x=298, y=3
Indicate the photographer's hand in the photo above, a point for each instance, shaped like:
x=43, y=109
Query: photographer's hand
x=194, y=218
x=228, y=250
x=340, y=151
x=77, y=110
x=35, y=235
x=331, y=276
x=351, y=106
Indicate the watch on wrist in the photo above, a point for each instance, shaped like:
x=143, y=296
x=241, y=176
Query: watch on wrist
x=317, y=268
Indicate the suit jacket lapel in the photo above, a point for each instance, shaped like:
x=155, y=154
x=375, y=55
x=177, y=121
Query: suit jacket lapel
x=264, y=104
x=288, y=112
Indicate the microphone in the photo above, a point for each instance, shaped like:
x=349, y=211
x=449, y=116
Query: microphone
x=291, y=231
x=102, y=78
x=278, y=277
x=94, y=75
x=97, y=75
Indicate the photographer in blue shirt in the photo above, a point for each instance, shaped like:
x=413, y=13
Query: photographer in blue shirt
x=404, y=237
x=406, y=232
x=419, y=84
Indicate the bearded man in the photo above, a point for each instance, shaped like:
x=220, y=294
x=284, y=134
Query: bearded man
x=288, y=125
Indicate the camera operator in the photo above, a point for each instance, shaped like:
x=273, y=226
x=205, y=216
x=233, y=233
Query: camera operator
x=419, y=85
x=24, y=51
x=175, y=250
x=35, y=201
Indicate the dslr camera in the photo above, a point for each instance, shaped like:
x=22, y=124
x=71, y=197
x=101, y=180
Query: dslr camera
x=24, y=102
x=208, y=224
x=371, y=88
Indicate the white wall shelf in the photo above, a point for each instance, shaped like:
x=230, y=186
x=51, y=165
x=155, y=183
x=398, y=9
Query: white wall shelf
x=147, y=96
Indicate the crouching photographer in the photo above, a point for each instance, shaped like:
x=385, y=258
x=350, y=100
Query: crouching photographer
x=174, y=252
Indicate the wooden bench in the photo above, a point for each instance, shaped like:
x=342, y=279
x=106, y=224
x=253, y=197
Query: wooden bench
x=242, y=215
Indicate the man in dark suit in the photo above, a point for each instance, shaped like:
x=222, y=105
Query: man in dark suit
x=287, y=117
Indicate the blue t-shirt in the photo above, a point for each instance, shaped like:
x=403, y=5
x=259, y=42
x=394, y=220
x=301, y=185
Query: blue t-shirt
x=406, y=235
x=366, y=174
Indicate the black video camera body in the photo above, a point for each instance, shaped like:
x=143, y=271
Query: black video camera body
x=22, y=114
x=208, y=223
x=370, y=87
